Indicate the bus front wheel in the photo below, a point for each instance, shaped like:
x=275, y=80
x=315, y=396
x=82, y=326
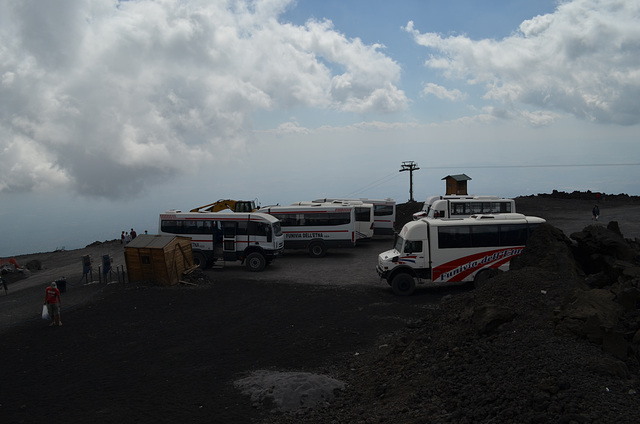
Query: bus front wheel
x=256, y=262
x=403, y=284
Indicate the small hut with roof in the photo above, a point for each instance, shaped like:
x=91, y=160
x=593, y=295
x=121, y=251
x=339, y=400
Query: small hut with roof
x=457, y=184
x=161, y=259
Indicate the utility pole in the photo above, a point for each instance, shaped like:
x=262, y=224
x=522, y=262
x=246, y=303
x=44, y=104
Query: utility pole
x=410, y=166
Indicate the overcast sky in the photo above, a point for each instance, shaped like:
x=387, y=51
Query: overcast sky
x=114, y=111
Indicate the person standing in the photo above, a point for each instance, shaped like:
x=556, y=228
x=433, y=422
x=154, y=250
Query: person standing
x=595, y=213
x=53, y=301
x=127, y=238
x=122, y=237
x=133, y=234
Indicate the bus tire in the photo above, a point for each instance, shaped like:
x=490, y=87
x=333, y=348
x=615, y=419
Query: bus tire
x=403, y=284
x=317, y=249
x=483, y=276
x=256, y=262
x=200, y=259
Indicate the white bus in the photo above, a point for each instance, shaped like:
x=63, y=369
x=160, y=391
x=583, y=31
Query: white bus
x=464, y=206
x=365, y=218
x=384, y=212
x=454, y=250
x=253, y=238
x=316, y=227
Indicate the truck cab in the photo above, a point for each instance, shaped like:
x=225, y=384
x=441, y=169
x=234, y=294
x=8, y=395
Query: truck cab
x=408, y=259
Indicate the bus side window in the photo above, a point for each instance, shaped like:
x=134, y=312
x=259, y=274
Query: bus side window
x=169, y=227
x=229, y=229
x=382, y=210
x=259, y=229
x=454, y=237
x=513, y=234
x=457, y=209
x=413, y=246
x=485, y=236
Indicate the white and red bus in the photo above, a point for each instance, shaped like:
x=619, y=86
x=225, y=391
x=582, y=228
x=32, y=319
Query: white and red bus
x=365, y=217
x=459, y=206
x=384, y=213
x=316, y=227
x=256, y=239
x=454, y=250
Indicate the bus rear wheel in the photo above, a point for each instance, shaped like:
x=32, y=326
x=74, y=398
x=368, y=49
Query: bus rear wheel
x=483, y=276
x=403, y=284
x=317, y=249
x=200, y=259
x=256, y=262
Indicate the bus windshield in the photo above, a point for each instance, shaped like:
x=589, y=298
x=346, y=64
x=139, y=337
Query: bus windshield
x=277, y=229
x=398, y=244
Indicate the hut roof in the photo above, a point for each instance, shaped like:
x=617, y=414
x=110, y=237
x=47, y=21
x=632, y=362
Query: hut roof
x=458, y=177
x=150, y=241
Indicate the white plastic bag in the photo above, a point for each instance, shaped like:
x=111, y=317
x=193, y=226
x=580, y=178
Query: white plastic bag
x=45, y=313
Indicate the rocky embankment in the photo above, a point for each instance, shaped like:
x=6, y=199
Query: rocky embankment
x=555, y=339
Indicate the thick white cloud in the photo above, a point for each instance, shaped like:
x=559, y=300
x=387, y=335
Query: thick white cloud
x=583, y=59
x=112, y=96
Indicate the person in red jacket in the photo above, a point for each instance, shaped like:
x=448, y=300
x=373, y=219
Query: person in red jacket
x=53, y=301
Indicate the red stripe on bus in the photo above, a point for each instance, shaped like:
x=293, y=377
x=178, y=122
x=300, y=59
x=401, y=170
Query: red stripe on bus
x=316, y=231
x=474, y=263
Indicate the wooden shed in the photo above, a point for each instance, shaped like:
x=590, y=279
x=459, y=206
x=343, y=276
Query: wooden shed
x=457, y=184
x=162, y=259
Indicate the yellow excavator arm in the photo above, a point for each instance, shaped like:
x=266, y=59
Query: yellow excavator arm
x=222, y=204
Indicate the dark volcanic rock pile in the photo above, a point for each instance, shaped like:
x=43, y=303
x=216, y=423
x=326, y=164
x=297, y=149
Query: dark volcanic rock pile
x=555, y=339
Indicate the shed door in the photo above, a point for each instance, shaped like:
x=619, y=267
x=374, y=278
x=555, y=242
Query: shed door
x=146, y=264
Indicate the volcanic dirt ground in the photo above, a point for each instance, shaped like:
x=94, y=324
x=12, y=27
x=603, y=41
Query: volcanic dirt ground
x=131, y=352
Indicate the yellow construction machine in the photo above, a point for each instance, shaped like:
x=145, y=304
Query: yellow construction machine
x=224, y=204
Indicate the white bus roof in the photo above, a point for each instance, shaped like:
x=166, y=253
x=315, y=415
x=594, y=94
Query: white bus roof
x=415, y=230
x=309, y=207
x=388, y=201
x=230, y=216
x=432, y=199
x=332, y=203
x=515, y=218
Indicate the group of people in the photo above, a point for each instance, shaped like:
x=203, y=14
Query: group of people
x=126, y=237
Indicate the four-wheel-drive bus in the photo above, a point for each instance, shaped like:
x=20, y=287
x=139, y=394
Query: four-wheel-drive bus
x=454, y=250
x=456, y=206
x=384, y=213
x=253, y=238
x=364, y=216
x=316, y=227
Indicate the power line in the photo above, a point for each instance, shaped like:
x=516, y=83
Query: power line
x=373, y=184
x=531, y=166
